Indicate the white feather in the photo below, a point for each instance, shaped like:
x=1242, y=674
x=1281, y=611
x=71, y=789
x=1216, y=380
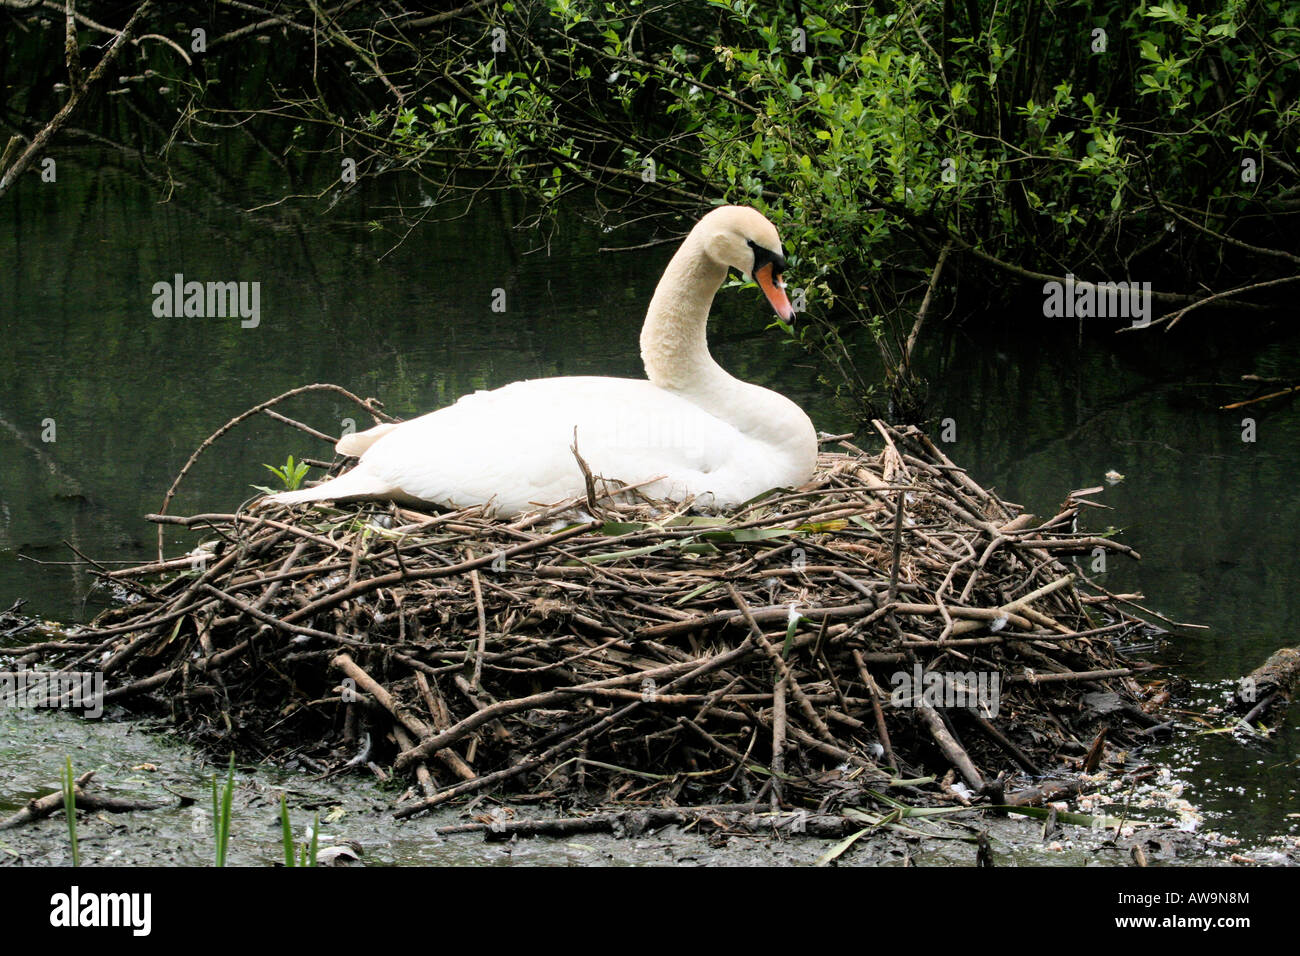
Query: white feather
x=695, y=429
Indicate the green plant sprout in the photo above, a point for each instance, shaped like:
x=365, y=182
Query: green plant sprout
x=221, y=812
x=290, y=474
x=307, y=852
x=70, y=809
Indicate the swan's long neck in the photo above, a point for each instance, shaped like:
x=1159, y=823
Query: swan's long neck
x=676, y=355
x=674, y=346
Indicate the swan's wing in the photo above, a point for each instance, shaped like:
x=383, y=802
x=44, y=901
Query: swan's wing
x=513, y=444
x=358, y=442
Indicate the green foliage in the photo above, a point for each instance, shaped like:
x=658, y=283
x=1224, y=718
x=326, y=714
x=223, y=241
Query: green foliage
x=290, y=474
x=306, y=855
x=1052, y=139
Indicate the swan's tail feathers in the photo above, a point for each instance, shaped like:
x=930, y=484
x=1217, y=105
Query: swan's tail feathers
x=354, y=484
x=358, y=443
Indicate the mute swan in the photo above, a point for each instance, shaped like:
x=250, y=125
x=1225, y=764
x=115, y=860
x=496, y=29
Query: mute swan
x=697, y=429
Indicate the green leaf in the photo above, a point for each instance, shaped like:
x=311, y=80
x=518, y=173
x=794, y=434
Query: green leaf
x=696, y=592
x=820, y=527
x=838, y=849
x=747, y=535
x=286, y=833
x=618, y=528
x=608, y=556
x=790, y=628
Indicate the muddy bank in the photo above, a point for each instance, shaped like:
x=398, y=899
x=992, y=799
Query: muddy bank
x=138, y=763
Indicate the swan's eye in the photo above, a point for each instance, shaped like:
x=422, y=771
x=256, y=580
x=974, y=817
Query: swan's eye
x=764, y=257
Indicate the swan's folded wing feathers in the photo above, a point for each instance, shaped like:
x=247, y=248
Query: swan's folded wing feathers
x=514, y=443
x=356, y=443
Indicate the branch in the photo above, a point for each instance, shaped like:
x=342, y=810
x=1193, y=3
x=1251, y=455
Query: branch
x=1173, y=318
x=437, y=18
x=42, y=139
x=71, y=54
x=925, y=304
x=1189, y=302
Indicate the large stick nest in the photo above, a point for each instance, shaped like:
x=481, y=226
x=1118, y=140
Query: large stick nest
x=891, y=624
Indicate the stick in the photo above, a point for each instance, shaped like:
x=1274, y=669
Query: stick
x=955, y=753
x=368, y=404
x=405, y=718
x=778, y=741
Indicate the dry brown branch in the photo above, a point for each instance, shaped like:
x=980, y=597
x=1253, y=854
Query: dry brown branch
x=648, y=654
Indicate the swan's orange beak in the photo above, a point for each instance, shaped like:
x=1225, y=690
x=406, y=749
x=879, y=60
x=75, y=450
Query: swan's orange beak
x=774, y=289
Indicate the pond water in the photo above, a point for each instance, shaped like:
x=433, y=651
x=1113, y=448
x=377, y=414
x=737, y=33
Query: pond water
x=102, y=401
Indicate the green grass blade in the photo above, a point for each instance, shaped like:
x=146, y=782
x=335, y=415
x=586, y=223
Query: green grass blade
x=315, y=839
x=70, y=809
x=286, y=832
x=221, y=812
x=838, y=849
x=696, y=592
x=789, y=634
x=629, y=553
x=216, y=821
x=748, y=535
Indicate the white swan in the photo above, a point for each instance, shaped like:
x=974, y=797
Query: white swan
x=697, y=429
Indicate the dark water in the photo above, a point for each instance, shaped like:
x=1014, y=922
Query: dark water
x=1039, y=409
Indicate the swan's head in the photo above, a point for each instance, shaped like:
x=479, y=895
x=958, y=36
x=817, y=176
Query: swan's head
x=743, y=239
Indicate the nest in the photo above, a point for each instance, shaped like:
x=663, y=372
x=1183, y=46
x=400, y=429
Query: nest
x=890, y=625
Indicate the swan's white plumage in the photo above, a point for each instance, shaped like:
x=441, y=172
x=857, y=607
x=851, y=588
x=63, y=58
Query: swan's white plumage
x=357, y=443
x=706, y=433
